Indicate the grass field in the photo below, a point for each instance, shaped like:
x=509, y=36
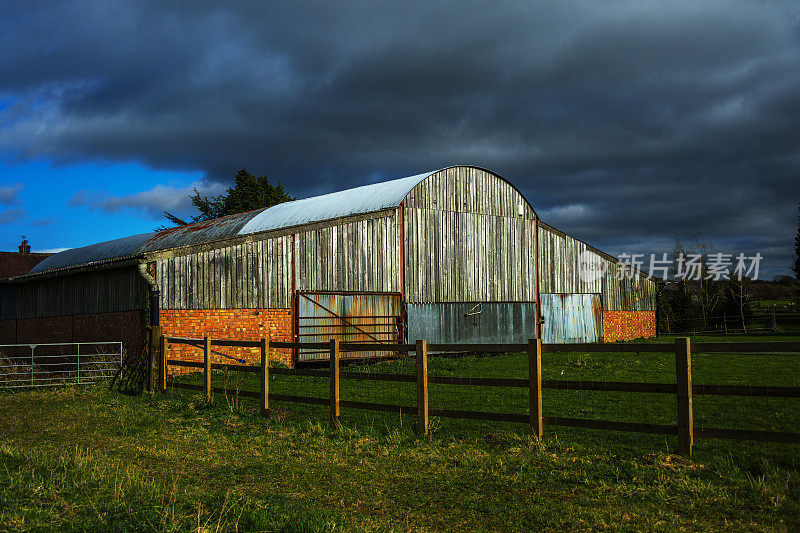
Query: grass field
x=90, y=458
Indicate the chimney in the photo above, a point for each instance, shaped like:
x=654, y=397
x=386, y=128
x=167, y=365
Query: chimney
x=24, y=248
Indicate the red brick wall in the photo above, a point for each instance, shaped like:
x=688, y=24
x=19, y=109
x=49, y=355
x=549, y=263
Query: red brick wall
x=124, y=326
x=234, y=324
x=628, y=325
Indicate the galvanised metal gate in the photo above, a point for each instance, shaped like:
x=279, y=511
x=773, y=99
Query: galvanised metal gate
x=60, y=363
x=358, y=317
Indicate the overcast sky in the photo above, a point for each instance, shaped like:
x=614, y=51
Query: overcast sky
x=626, y=124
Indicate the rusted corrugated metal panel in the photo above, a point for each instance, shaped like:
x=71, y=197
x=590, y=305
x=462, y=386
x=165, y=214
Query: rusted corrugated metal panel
x=448, y=323
x=469, y=236
x=356, y=256
x=571, y=318
x=354, y=317
x=198, y=233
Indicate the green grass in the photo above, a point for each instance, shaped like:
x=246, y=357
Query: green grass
x=94, y=459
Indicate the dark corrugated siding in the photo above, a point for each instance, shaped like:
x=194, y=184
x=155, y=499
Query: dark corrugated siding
x=103, y=291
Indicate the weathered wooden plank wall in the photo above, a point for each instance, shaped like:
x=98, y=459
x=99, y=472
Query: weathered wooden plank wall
x=103, y=291
x=468, y=238
x=633, y=292
x=363, y=255
x=559, y=257
x=248, y=275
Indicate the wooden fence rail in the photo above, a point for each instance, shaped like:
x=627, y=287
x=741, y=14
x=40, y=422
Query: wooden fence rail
x=683, y=388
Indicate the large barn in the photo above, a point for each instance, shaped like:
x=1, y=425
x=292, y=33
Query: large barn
x=455, y=255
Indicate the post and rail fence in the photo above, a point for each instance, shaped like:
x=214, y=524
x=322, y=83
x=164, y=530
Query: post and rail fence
x=683, y=388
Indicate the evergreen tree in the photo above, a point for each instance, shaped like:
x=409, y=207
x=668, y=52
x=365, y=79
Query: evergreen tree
x=248, y=192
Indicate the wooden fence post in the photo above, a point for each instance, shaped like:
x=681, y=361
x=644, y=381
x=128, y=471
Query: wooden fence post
x=535, y=386
x=153, y=379
x=164, y=348
x=264, y=377
x=422, y=387
x=683, y=380
x=335, y=382
x=207, y=366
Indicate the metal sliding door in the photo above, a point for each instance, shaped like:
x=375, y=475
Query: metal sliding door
x=571, y=318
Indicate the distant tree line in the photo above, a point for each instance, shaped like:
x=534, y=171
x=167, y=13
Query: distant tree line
x=707, y=304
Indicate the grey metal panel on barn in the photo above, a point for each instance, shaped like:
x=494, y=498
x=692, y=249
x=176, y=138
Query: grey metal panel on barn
x=250, y=275
x=469, y=236
x=362, y=255
x=571, y=318
x=101, y=291
x=470, y=322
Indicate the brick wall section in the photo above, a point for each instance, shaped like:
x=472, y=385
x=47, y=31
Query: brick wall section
x=628, y=325
x=231, y=324
x=124, y=326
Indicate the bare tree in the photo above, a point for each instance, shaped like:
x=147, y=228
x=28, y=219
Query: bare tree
x=709, y=289
x=741, y=292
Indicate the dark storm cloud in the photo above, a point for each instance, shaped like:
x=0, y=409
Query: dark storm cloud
x=625, y=123
x=153, y=202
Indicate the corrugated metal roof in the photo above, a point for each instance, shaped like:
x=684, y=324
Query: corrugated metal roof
x=364, y=199
x=94, y=252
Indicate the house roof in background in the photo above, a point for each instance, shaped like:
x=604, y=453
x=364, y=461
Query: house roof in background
x=17, y=264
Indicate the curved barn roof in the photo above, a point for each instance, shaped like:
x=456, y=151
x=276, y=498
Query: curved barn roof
x=359, y=200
